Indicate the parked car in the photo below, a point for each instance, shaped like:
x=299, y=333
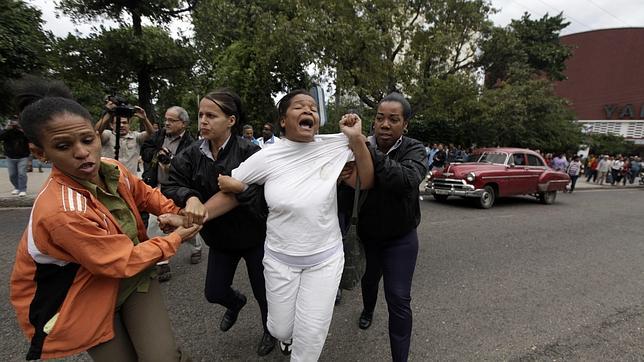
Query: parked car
x=490, y=173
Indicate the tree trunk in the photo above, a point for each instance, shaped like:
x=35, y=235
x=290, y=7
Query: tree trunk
x=143, y=73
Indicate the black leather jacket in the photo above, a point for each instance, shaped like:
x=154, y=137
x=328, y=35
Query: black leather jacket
x=192, y=173
x=149, y=150
x=391, y=208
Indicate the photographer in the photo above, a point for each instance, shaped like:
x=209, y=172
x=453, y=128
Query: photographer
x=156, y=153
x=129, y=141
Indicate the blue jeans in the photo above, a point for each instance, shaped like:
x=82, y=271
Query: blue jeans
x=18, y=172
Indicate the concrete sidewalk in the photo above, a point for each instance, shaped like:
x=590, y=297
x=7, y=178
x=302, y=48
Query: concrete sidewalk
x=35, y=180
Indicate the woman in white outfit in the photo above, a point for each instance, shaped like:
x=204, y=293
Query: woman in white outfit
x=303, y=257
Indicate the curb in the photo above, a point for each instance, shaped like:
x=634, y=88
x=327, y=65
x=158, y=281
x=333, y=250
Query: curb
x=17, y=201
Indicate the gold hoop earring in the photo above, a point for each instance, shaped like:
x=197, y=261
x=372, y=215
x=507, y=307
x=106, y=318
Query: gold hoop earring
x=405, y=130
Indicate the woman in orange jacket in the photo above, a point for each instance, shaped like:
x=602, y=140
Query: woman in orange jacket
x=83, y=275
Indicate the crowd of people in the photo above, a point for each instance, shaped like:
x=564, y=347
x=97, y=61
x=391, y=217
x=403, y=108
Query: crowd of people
x=86, y=275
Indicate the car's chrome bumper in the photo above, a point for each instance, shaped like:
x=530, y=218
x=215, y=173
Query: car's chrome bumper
x=452, y=187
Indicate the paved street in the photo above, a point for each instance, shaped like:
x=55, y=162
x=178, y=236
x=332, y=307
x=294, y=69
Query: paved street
x=521, y=281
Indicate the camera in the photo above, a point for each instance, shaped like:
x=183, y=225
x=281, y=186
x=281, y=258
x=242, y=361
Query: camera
x=165, y=157
x=122, y=109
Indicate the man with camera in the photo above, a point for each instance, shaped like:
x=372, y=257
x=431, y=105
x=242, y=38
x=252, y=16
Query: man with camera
x=129, y=141
x=157, y=152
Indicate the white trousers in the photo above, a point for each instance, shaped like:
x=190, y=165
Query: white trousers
x=300, y=303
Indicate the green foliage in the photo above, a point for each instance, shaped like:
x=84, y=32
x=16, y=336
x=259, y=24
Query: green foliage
x=527, y=115
x=156, y=10
x=106, y=63
x=524, y=49
x=23, y=46
x=609, y=144
x=258, y=49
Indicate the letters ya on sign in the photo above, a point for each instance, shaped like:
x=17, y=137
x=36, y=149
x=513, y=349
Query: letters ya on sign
x=621, y=112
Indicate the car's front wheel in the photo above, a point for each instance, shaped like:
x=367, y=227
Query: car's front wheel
x=548, y=197
x=440, y=198
x=486, y=200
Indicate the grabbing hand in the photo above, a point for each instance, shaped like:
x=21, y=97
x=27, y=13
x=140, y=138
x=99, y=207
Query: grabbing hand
x=194, y=212
x=229, y=184
x=187, y=233
x=347, y=170
x=169, y=222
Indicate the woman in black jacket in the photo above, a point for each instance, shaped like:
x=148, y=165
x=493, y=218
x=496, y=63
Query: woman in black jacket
x=388, y=219
x=237, y=234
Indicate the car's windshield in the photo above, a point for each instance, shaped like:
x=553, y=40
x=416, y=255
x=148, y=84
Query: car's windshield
x=487, y=157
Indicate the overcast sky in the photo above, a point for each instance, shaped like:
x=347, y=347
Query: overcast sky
x=583, y=15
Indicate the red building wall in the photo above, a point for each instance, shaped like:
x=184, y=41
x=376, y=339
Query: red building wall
x=606, y=71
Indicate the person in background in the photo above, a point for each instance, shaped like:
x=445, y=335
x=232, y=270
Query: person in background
x=129, y=141
x=237, y=235
x=82, y=278
x=591, y=167
x=574, y=169
x=603, y=167
x=249, y=134
x=440, y=157
x=268, y=138
x=157, y=152
x=388, y=219
x=16, y=148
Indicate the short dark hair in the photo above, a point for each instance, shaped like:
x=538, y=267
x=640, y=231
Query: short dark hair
x=397, y=97
x=230, y=104
x=285, y=102
x=39, y=101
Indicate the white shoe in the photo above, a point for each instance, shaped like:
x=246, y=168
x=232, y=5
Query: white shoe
x=15, y=192
x=22, y=193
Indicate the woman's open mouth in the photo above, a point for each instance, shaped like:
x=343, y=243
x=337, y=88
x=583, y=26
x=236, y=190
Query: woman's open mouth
x=87, y=167
x=307, y=123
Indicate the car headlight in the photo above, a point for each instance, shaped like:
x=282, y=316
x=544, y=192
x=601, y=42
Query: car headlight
x=430, y=175
x=470, y=177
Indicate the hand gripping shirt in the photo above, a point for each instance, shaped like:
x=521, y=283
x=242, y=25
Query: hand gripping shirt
x=299, y=181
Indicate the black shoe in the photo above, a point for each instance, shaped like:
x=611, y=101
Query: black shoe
x=285, y=348
x=164, y=273
x=266, y=345
x=338, y=297
x=230, y=316
x=365, y=320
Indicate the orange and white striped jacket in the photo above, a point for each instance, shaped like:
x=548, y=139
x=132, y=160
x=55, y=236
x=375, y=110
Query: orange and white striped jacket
x=70, y=260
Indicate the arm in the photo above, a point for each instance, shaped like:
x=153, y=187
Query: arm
x=351, y=126
x=149, y=147
x=140, y=112
x=89, y=243
x=105, y=118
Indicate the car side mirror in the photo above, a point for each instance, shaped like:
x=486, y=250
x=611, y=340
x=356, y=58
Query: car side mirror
x=511, y=165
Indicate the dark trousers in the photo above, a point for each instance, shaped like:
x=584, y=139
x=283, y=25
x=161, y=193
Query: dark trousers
x=142, y=331
x=220, y=274
x=394, y=262
x=593, y=175
x=573, y=182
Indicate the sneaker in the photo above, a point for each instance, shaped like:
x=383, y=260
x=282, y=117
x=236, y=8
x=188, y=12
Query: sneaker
x=285, y=348
x=22, y=193
x=195, y=257
x=15, y=192
x=266, y=345
x=164, y=273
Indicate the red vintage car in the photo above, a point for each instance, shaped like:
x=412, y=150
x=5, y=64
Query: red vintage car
x=497, y=172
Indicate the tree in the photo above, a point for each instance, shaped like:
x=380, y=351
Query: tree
x=107, y=63
x=160, y=11
x=256, y=48
x=524, y=49
x=23, y=45
x=609, y=144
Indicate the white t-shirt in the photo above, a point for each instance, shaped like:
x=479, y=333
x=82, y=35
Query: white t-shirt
x=300, y=188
